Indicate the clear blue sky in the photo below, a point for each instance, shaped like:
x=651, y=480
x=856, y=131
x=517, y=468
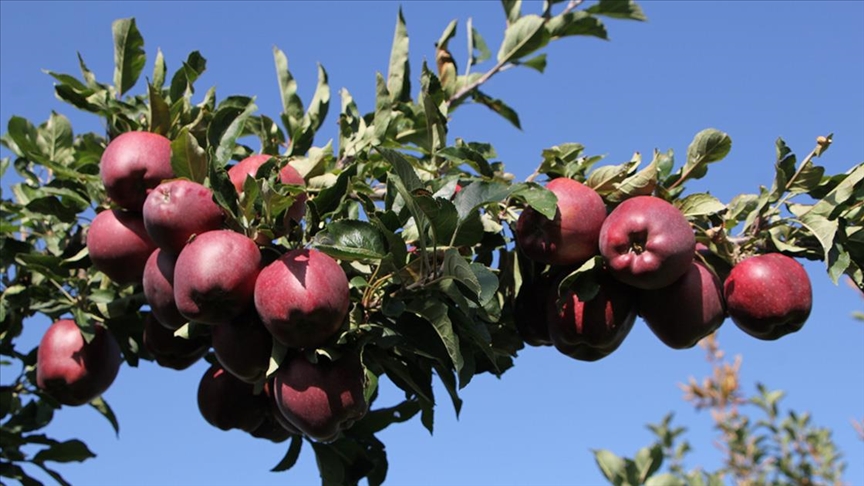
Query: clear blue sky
x=757, y=70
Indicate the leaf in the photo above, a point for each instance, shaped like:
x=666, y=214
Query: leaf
x=648, y=461
x=476, y=43
x=612, y=466
x=129, y=57
x=575, y=23
x=537, y=62
x=605, y=179
x=291, y=455
x=455, y=266
x=330, y=465
x=320, y=103
x=435, y=312
x=448, y=34
x=292, y=106
x=402, y=168
x=512, y=9
x=103, y=408
x=188, y=159
x=160, y=112
x=54, y=139
x=227, y=125
x=159, y=69
x=350, y=239
x=665, y=479
x=699, y=204
x=398, y=77
x=523, y=37
x=378, y=420
x=709, y=145
x=618, y=9
x=538, y=197
x=69, y=451
x=185, y=77
x=498, y=106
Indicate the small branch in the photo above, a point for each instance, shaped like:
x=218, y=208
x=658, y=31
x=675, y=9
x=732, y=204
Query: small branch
x=464, y=92
x=571, y=6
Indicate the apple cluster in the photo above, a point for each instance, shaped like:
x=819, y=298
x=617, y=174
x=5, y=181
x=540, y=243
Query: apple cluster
x=169, y=235
x=651, y=267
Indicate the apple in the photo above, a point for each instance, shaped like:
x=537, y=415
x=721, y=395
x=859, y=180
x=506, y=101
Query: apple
x=324, y=398
x=287, y=175
x=158, y=283
x=132, y=165
x=593, y=329
x=228, y=403
x=170, y=351
x=686, y=311
x=302, y=298
x=119, y=245
x=178, y=209
x=647, y=242
x=243, y=346
x=277, y=414
x=768, y=296
x=214, y=278
x=72, y=370
x=530, y=311
x=572, y=236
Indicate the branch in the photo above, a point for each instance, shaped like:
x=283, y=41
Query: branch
x=464, y=92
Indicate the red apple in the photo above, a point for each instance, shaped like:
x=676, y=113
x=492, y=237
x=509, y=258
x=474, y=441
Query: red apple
x=170, y=351
x=768, y=296
x=158, y=283
x=228, y=403
x=302, y=298
x=119, y=246
x=287, y=175
x=243, y=346
x=72, y=370
x=214, y=278
x=593, y=329
x=132, y=165
x=530, y=310
x=647, y=242
x=321, y=399
x=686, y=311
x=178, y=209
x=571, y=237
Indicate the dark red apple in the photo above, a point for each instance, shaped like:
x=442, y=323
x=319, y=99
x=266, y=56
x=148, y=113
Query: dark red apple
x=321, y=399
x=769, y=296
x=72, y=370
x=119, y=246
x=243, y=346
x=287, y=175
x=178, y=209
x=132, y=165
x=171, y=351
x=214, y=278
x=647, y=242
x=275, y=427
x=530, y=310
x=572, y=236
x=593, y=329
x=302, y=298
x=686, y=311
x=228, y=403
x=158, y=283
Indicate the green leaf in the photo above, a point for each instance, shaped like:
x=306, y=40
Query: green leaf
x=330, y=465
x=538, y=197
x=188, y=159
x=476, y=43
x=537, y=62
x=320, y=104
x=523, y=37
x=185, y=77
x=159, y=69
x=618, y=9
x=435, y=312
x=665, y=479
x=456, y=267
x=605, y=179
x=398, y=77
x=103, y=408
x=498, y=106
x=291, y=455
x=70, y=451
x=512, y=9
x=448, y=34
x=227, y=125
x=54, y=139
x=292, y=106
x=378, y=420
x=160, y=112
x=648, y=461
x=129, y=57
x=709, y=145
x=575, y=23
x=699, y=204
x=402, y=168
x=350, y=239
x=612, y=466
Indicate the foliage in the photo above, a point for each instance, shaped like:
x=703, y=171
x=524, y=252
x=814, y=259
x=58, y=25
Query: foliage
x=777, y=448
x=421, y=220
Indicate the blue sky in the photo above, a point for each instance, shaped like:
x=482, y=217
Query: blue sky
x=757, y=70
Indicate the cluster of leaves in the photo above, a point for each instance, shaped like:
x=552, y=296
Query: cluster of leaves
x=775, y=449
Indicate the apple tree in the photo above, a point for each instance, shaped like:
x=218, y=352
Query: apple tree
x=307, y=271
